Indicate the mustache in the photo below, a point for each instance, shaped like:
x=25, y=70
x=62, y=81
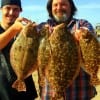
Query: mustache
x=62, y=11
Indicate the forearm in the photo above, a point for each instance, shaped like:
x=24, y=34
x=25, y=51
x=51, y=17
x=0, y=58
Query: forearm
x=6, y=36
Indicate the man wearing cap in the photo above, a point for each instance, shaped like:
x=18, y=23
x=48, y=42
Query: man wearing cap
x=10, y=26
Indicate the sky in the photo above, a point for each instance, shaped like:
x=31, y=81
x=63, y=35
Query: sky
x=35, y=10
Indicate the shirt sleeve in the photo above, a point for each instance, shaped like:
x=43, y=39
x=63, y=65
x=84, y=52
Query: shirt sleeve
x=87, y=24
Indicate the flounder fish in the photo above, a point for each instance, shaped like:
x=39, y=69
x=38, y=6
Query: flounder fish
x=90, y=48
x=23, y=55
x=43, y=53
x=59, y=59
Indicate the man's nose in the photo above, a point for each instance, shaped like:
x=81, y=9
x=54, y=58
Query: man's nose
x=59, y=6
x=11, y=11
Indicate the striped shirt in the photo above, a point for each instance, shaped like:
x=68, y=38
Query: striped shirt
x=80, y=89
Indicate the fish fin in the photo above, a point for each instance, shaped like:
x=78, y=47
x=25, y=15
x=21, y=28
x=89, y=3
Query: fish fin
x=19, y=85
x=94, y=80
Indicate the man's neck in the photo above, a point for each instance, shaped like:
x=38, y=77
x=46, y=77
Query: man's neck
x=5, y=25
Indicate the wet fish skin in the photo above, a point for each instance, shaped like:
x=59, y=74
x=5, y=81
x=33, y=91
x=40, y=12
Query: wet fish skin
x=90, y=48
x=23, y=55
x=63, y=62
x=43, y=54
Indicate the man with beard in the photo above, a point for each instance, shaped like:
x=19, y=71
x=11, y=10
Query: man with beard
x=63, y=11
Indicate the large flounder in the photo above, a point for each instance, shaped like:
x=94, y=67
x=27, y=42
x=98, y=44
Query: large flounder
x=43, y=53
x=90, y=48
x=23, y=55
x=59, y=57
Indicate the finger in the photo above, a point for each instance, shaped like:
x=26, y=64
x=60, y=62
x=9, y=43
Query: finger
x=23, y=20
x=77, y=35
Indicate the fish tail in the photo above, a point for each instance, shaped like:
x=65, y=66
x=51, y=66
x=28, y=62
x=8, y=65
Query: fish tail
x=19, y=85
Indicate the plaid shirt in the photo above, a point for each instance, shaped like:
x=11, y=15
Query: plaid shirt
x=80, y=88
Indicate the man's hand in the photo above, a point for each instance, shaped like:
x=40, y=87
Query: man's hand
x=79, y=33
x=20, y=23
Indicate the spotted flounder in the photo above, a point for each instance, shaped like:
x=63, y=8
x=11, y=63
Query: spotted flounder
x=90, y=48
x=43, y=53
x=23, y=55
x=59, y=59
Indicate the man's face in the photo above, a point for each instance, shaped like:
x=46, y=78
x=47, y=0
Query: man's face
x=61, y=10
x=10, y=13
